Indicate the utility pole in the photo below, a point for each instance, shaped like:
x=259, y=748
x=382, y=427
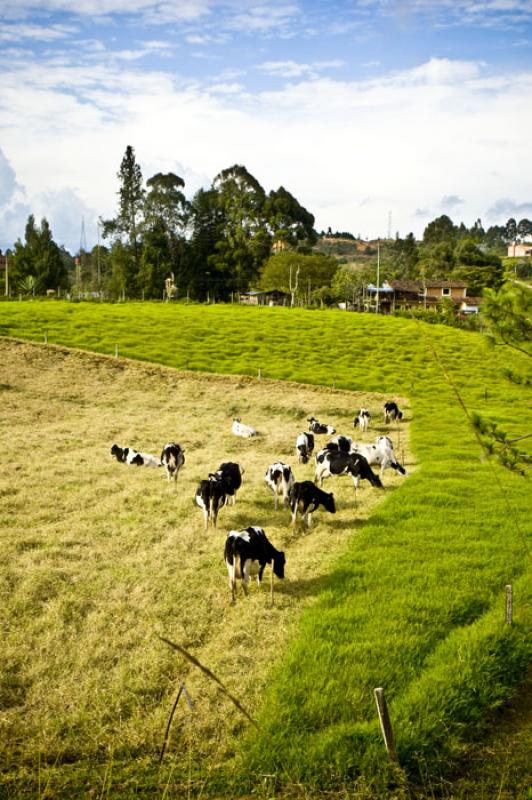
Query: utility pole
x=378, y=274
x=98, y=254
x=7, y=276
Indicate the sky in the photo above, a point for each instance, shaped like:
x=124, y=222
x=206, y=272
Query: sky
x=377, y=115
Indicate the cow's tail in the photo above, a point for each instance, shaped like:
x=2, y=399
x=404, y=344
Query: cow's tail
x=398, y=468
x=238, y=566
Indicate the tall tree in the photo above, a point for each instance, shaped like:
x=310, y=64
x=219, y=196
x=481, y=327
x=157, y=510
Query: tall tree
x=524, y=229
x=439, y=230
x=126, y=226
x=165, y=219
x=511, y=230
x=39, y=258
x=206, y=226
x=477, y=268
x=288, y=221
x=404, y=257
x=246, y=241
x=166, y=202
x=157, y=261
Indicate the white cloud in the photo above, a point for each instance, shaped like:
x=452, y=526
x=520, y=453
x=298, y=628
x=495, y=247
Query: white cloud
x=40, y=33
x=264, y=18
x=292, y=69
x=350, y=151
x=450, y=203
x=504, y=208
x=8, y=181
x=496, y=11
x=185, y=9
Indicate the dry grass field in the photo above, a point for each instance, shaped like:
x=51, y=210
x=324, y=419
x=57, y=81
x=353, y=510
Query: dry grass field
x=99, y=559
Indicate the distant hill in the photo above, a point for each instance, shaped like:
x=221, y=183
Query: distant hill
x=355, y=249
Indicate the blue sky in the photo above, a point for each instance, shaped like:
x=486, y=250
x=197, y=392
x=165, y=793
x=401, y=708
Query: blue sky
x=375, y=114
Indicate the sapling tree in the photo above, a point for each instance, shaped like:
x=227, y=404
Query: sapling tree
x=508, y=318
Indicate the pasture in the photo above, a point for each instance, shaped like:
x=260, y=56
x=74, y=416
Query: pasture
x=411, y=600
x=100, y=557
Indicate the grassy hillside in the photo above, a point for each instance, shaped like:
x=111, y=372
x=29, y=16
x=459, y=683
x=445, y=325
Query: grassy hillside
x=416, y=602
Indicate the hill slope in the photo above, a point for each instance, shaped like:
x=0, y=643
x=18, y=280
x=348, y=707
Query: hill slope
x=417, y=603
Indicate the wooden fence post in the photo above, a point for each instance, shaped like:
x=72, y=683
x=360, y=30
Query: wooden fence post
x=46, y=336
x=260, y=376
x=116, y=351
x=386, y=725
x=509, y=604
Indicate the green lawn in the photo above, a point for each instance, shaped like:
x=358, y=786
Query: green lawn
x=415, y=604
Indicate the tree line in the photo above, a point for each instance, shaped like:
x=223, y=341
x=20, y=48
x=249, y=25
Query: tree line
x=234, y=236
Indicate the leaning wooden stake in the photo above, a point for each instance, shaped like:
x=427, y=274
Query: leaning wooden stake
x=386, y=725
x=182, y=690
x=509, y=604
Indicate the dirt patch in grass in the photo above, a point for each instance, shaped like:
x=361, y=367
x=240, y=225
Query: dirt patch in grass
x=100, y=559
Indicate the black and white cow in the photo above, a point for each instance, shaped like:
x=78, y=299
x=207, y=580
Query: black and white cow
x=129, y=456
x=173, y=458
x=231, y=477
x=239, y=429
x=339, y=443
x=280, y=479
x=210, y=497
x=304, y=447
x=319, y=427
x=362, y=420
x=391, y=411
x=246, y=553
x=305, y=498
x=381, y=454
x=335, y=462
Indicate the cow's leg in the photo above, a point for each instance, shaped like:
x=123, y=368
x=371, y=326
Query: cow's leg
x=245, y=577
x=294, y=515
x=309, y=519
x=206, y=517
x=275, y=499
x=232, y=581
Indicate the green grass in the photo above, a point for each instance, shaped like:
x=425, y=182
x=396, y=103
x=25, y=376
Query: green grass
x=416, y=602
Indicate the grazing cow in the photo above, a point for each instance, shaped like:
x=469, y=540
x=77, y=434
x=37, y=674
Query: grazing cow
x=239, y=429
x=305, y=498
x=334, y=462
x=280, y=479
x=391, y=411
x=304, y=447
x=210, y=497
x=381, y=453
x=339, y=443
x=247, y=552
x=129, y=456
x=173, y=458
x=362, y=420
x=231, y=476
x=319, y=427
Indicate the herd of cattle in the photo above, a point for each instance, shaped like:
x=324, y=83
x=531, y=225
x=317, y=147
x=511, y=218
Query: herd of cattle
x=248, y=551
